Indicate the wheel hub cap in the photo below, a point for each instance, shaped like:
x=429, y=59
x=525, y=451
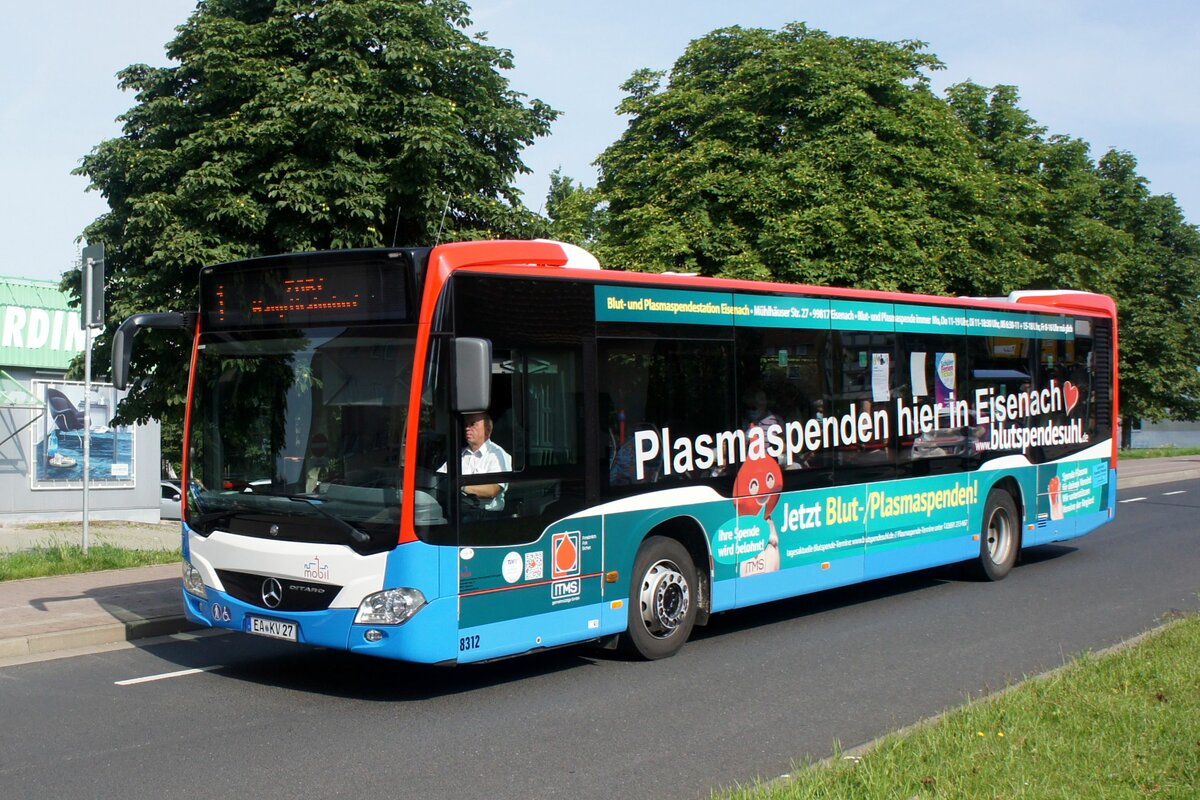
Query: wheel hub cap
x=665, y=599
x=999, y=537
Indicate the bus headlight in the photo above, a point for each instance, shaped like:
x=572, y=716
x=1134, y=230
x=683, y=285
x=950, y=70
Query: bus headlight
x=389, y=607
x=192, y=581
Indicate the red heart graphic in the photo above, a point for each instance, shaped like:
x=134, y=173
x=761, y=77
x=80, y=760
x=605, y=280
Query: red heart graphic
x=1070, y=394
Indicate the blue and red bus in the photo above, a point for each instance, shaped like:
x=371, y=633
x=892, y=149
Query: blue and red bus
x=677, y=445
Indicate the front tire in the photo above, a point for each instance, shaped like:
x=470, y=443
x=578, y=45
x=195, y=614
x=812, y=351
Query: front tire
x=1000, y=540
x=662, y=600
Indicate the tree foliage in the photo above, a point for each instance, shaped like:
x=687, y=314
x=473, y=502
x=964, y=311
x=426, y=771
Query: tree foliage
x=795, y=155
x=288, y=125
x=1096, y=226
x=574, y=212
x=1156, y=278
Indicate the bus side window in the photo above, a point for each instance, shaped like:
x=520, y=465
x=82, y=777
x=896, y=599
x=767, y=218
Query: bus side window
x=660, y=388
x=539, y=421
x=865, y=387
x=935, y=430
x=1068, y=363
x=783, y=377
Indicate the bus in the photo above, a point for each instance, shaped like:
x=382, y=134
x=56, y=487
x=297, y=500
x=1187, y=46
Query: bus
x=674, y=446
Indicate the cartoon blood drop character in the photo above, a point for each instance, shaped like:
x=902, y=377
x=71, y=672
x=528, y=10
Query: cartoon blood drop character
x=756, y=491
x=757, y=487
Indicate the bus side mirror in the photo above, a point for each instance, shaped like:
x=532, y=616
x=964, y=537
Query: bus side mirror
x=122, y=349
x=472, y=374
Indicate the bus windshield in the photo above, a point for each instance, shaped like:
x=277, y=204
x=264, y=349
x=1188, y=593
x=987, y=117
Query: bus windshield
x=297, y=434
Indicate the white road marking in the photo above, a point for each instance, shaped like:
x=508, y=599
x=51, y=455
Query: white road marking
x=1181, y=491
x=1133, y=500
x=163, y=676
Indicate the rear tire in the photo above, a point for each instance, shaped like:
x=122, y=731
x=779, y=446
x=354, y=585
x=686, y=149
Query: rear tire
x=662, y=600
x=1000, y=539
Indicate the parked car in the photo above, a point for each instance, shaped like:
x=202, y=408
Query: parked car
x=172, y=497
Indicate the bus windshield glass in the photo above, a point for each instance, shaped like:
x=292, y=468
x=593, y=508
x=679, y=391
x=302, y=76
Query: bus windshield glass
x=297, y=434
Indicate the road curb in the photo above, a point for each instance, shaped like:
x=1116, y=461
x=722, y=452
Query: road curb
x=1136, y=481
x=108, y=633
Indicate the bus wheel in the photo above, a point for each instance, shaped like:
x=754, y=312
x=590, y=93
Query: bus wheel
x=1001, y=537
x=662, y=600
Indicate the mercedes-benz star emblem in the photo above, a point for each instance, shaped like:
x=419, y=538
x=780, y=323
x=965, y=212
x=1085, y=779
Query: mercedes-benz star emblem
x=274, y=531
x=272, y=593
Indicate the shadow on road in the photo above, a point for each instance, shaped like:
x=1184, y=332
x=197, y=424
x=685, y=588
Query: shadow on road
x=1044, y=553
x=125, y=603
x=336, y=673
x=857, y=594
x=311, y=670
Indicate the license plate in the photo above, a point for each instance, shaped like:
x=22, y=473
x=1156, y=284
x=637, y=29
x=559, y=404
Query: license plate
x=273, y=628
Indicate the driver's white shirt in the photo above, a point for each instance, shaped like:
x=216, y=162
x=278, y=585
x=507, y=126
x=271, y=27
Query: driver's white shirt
x=490, y=457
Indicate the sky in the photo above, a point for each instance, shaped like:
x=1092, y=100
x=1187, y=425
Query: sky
x=1116, y=74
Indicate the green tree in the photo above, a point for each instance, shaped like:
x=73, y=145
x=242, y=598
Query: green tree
x=795, y=155
x=288, y=125
x=1074, y=244
x=574, y=211
x=1095, y=226
x=1010, y=218
x=1157, y=287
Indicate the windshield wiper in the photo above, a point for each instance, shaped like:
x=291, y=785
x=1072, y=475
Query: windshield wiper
x=357, y=535
x=220, y=516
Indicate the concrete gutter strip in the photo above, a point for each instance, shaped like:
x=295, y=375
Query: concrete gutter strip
x=111, y=633
x=1137, y=481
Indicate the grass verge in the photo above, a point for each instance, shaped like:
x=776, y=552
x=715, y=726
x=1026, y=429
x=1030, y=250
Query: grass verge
x=59, y=551
x=1122, y=725
x=64, y=559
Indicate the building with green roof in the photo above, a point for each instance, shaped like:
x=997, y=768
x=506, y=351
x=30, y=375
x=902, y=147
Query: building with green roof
x=44, y=419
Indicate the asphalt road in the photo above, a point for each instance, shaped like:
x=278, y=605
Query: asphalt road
x=750, y=694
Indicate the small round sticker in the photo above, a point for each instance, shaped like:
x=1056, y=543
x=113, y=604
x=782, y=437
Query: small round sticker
x=512, y=567
x=467, y=553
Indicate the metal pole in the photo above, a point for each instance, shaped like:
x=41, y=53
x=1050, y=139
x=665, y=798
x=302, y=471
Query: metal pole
x=87, y=393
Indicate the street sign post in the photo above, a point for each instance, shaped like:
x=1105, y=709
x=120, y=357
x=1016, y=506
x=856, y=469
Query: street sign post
x=92, y=269
x=93, y=286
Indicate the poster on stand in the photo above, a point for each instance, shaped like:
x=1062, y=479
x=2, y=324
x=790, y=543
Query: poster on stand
x=58, y=437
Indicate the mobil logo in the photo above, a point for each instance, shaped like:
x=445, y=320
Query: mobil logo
x=564, y=554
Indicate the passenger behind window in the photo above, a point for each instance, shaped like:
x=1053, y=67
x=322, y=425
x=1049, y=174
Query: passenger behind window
x=757, y=412
x=623, y=470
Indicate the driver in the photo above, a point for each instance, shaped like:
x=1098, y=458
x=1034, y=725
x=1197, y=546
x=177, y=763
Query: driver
x=482, y=456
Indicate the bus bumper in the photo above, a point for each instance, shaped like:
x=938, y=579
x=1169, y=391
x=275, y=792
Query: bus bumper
x=429, y=637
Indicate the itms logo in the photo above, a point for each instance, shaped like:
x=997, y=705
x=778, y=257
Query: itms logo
x=565, y=590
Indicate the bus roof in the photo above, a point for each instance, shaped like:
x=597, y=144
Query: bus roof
x=544, y=258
